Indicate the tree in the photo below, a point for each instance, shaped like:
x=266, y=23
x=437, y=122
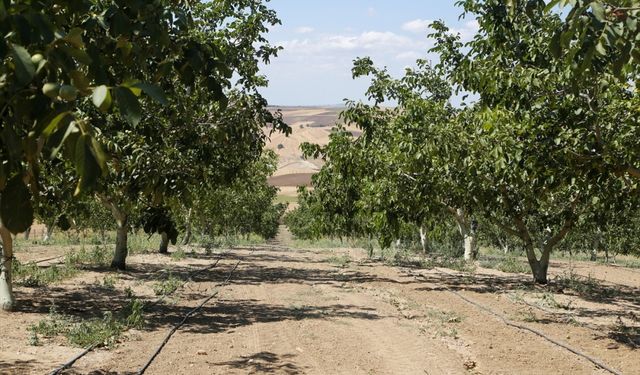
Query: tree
x=244, y=205
x=61, y=58
x=595, y=36
x=543, y=143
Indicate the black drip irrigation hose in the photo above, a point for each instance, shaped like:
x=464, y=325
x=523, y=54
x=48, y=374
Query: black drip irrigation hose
x=184, y=320
x=72, y=361
x=90, y=348
x=506, y=321
x=189, y=277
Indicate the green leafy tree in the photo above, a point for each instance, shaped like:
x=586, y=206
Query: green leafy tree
x=543, y=145
x=244, y=205
x=70, y=67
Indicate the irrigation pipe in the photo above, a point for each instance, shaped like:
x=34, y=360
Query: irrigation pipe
x=189, y=276
x=506, y=321
x=184, y=320
x=90, y=348
x=72, y=361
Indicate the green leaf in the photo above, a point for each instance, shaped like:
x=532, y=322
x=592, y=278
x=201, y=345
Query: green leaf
x=600, y=48
x=131, y=85
x=86, y=164
x=552, y=4
x=598, y=11
x=74, y=37
x=153, y=91
x=25, y=70
x=55, y=122
x=511, y=6
x=79, y=80
x=16, y=210
x=99, y=154
x=77, y=54
x=102, y=98
x=128, y=105
x=58, y=139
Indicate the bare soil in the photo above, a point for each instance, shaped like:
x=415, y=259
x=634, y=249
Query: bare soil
x=321, y=311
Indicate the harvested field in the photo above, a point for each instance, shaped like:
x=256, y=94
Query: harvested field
x=296, y=179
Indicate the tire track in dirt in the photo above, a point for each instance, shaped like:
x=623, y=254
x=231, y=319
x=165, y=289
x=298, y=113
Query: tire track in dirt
x=398, y=348
x=292, y=312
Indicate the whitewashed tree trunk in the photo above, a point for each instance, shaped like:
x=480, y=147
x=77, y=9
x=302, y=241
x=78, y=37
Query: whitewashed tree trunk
x=424, y=242
x=122, y=231
x=469, y=233
x=597, y=245
x=164, y=243
x=48, y=234
x=7, y=301
x=470, y=246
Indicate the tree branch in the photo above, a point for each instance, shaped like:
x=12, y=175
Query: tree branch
x=553, y=241
x=505, y=228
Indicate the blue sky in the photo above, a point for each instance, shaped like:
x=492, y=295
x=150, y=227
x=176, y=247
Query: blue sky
x=321, y=39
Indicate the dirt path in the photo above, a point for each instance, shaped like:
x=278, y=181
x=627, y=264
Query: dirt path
x=307, y=312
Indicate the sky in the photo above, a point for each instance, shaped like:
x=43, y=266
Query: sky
x=322, y=38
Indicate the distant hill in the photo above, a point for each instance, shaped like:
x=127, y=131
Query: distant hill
x=308, y=124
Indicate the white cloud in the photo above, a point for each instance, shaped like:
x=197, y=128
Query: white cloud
x=467, y=31
x=381, y=41
x=409, y=55
x=417, y=26
x=304, y=30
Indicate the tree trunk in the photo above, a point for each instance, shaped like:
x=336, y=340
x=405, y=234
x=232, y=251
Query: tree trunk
x=187, y=231
x=7, y=301
x=470, y=246
x=27, y=233
x=540, y=267
x=164, y=243
x=120, y=256
x=119, y=260
x=48, y=234
x=597, y=243
x=369, y=247
x=503, y=242
x=468, y=230
x=424, y=242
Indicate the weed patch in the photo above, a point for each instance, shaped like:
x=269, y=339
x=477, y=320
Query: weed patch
x=178, y=255
x=584, y=286
x=342, y=261
x=105, y=331
x=508, y=264
x=167, y=286
x=32, y=275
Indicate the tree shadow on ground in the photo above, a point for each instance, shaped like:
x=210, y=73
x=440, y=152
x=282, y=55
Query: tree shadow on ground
x=264, y=363
x=17, y=366
x=628, y=336
x=72, y=371
x=624, y=299
x=587, y=289
x=225, y=315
